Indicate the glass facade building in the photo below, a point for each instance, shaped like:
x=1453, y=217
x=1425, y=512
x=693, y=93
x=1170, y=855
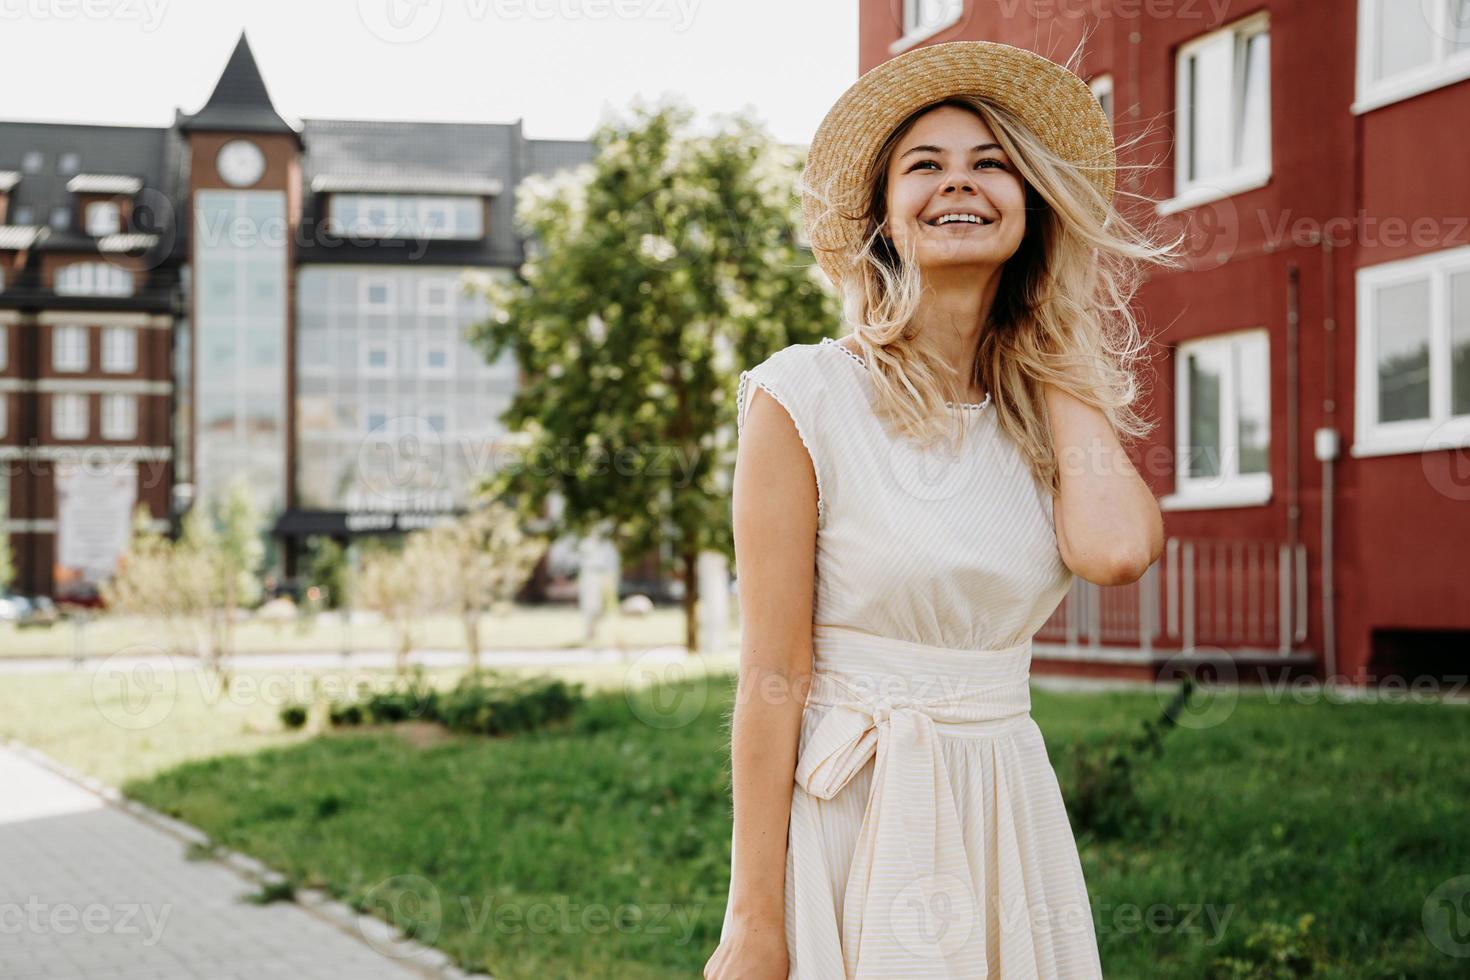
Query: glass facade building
x=396, y=411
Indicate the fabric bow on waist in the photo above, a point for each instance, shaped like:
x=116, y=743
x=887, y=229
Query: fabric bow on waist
x=910, y=898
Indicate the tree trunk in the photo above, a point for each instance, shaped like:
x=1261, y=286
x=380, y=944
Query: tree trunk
x=472, y=637
x=691, y=601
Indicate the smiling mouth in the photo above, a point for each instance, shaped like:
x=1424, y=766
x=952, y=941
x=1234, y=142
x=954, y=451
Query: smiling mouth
x=965, y=222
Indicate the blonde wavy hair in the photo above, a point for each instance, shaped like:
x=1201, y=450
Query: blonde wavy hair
x=1061, y=313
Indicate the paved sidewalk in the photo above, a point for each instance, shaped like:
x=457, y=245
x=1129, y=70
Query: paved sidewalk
x=88, y=890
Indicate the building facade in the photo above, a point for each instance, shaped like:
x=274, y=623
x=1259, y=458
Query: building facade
x=236, y=298
x=1311, y=369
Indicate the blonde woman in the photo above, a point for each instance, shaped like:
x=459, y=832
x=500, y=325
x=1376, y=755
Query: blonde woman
x=911, y=503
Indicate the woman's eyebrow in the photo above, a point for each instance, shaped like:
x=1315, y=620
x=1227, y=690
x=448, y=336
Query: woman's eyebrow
x=938, y=149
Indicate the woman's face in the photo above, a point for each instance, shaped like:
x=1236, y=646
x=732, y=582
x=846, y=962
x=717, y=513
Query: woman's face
x=951, y=163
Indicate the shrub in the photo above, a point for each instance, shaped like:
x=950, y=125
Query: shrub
x=294, y=715
x=1103, y=791
x=477, y=707
x=346, y=713
x=407, y=701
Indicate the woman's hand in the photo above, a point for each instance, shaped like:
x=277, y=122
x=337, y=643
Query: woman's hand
x=753, y=949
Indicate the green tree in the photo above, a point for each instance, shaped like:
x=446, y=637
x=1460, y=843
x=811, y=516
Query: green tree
x=654, y=275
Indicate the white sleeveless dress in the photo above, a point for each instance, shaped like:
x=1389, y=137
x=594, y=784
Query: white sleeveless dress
x=928, y=836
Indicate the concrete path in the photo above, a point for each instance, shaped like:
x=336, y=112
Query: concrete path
x=89, y=891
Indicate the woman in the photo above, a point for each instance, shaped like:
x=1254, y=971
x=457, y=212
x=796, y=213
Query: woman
x=896, y=814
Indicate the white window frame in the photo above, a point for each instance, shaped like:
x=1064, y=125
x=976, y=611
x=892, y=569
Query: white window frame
x=1231, y=488
x=1244, y=176
x=914, y=32
x=119, y=416
x=4, y=421
x=119, y=350
x=1441, y=430
x=68, y=407
x=69, y=348
x=1446, y=67
x=4, y=343
x=1102, y=85
x=103, y=218
x=92, y=279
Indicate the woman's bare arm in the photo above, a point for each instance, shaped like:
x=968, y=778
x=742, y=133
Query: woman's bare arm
x=775, y=523
x=1108, y=524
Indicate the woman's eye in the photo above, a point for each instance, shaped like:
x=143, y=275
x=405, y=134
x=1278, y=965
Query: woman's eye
x=931, y=163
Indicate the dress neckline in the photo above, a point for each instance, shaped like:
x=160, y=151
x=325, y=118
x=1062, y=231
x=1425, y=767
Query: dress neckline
x=975, y=406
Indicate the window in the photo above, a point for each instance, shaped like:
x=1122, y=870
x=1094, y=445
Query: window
x=103, y=218
x=1413, y=370
x=119, y=416
x=119, y=349
x=68, y=347
x=925, y=18
x=1102, y=87
x=32, y=162
x=69, y=416
x=377, y=358
x=1222, y=417
x=1405, y=52
x=407, y=215
x=1223, y=118
x=376, y=421
x=93, y=279
x=60, y=218
x=4, y=405
x=25, y=214
x=436, y=360
x=436, y=295
x=377, y=293
x=4, y=346
x=68, y=164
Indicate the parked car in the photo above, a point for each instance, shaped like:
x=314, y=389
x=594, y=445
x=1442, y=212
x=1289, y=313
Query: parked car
x=23, y=610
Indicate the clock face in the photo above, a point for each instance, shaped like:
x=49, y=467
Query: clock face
x=240, y=163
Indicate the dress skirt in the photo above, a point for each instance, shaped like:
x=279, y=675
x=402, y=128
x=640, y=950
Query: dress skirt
x=928, y=837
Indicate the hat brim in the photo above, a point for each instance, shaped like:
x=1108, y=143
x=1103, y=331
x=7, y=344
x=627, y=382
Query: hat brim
x=1057, y=105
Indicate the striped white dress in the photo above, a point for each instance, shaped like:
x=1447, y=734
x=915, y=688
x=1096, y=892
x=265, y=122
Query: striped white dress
x=928, y=837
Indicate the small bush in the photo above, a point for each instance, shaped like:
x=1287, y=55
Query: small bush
x=348, y=713
x=408, y=701
x=1275, y=951
x=477, y=707
x=1102, y=794
x=294, y=715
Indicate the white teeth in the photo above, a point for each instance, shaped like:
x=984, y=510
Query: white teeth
x=971, y=218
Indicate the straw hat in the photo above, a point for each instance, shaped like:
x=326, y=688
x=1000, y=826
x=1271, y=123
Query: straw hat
x=1055, y=103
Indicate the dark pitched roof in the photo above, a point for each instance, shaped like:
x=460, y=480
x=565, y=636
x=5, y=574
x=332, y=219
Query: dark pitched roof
x=240, y=101
x=134, y=151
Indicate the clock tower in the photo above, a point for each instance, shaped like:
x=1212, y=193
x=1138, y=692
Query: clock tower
x=244, y=205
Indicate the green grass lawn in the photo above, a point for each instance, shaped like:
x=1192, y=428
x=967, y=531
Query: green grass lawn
x=603, y=849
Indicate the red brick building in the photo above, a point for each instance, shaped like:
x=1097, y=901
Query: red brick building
x=1312, y=361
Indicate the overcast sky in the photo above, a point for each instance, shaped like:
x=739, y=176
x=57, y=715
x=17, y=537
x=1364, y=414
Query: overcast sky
x=559, y=64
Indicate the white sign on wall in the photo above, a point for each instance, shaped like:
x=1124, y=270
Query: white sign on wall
x=94, y=508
